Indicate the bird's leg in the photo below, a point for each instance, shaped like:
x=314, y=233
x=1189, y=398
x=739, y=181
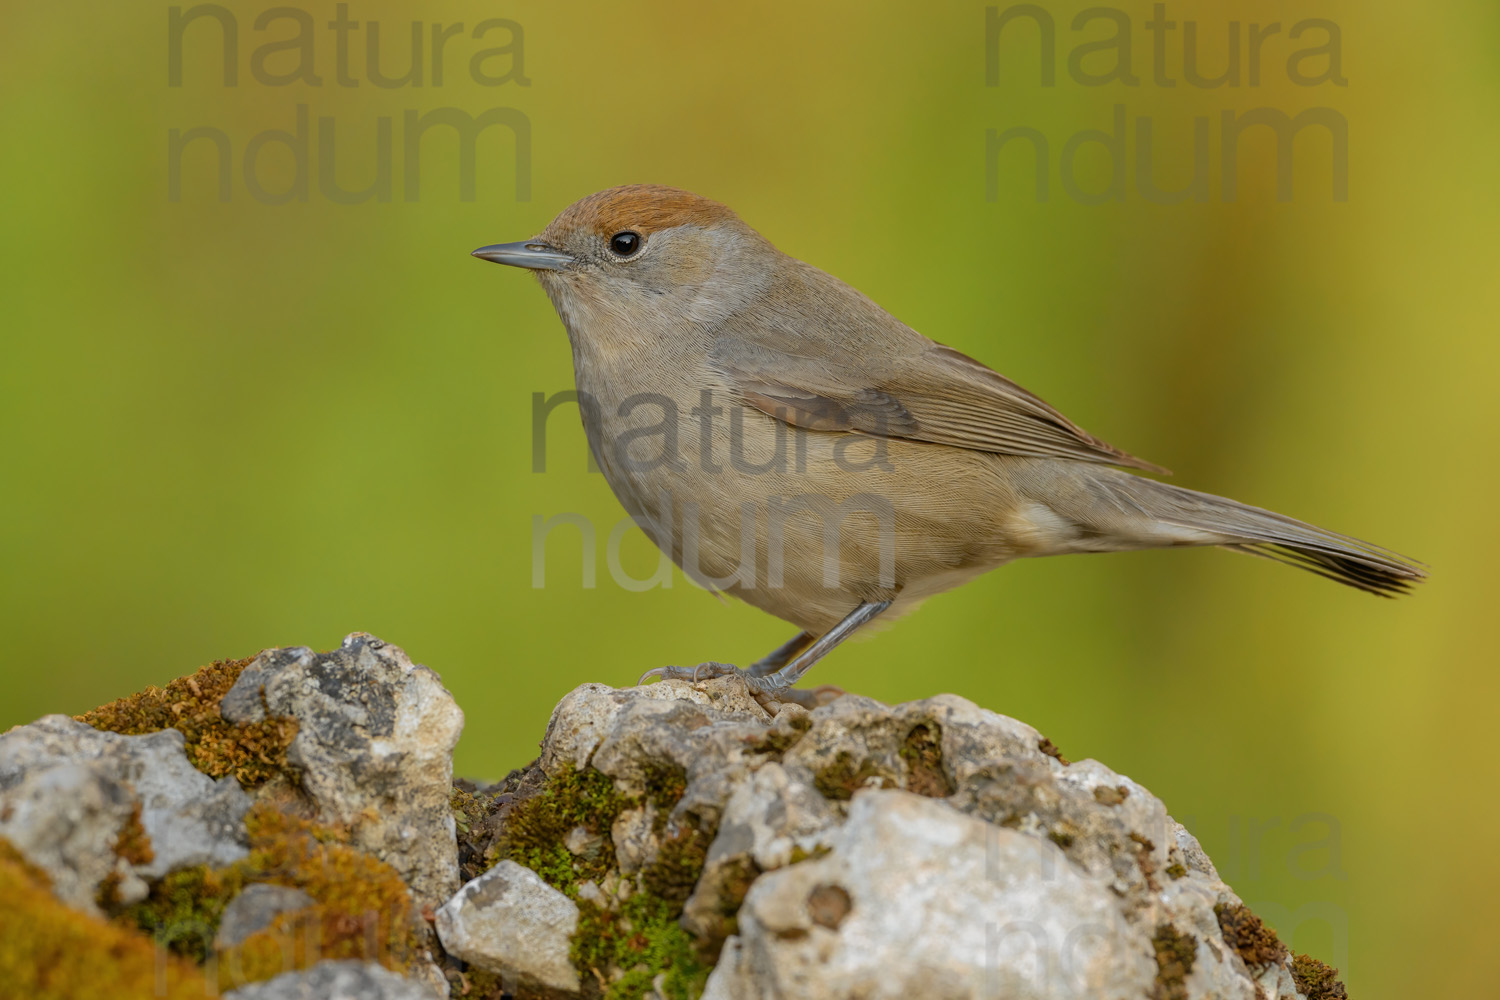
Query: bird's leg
x=771, y=682
x=780, y=656
x=768, y=664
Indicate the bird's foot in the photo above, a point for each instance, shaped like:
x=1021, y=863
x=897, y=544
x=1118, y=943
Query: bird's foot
x=763, y=689
x=702, y=672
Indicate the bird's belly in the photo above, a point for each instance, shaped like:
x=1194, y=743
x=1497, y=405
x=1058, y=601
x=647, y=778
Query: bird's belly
x=805, y=524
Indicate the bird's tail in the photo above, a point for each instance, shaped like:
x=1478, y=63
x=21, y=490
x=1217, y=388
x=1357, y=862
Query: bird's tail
x=1205, y=519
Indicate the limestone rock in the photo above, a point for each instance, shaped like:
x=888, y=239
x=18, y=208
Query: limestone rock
x=334, y=981
x=932, y=848
x=373, y=749
x=508, y=921
x=68, y=792
x=917, y=899
x=770, y=819
x=66, y=820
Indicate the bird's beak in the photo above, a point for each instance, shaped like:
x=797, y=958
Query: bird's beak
x=530, y=253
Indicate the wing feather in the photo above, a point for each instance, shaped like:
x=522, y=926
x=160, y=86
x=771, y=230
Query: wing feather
x=940, y=396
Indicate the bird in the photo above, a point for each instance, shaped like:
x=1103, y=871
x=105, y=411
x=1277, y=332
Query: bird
x=788, y=442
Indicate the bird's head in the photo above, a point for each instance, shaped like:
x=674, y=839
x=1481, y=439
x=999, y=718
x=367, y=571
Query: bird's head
x=643, y=252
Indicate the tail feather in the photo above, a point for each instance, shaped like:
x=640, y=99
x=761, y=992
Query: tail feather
x=1382, y=581
x=1254, y=531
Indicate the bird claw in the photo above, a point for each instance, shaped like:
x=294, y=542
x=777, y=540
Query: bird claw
x=656, y=673
x=767, y=695
x=702, y=672
x=710, y=670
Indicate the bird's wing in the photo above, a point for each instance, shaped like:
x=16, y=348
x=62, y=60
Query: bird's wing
x=901, y=385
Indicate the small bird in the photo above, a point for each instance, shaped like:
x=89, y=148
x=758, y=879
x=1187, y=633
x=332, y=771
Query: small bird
x=787, y=441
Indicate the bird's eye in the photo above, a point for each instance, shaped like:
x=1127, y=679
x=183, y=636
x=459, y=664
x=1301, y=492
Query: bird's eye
x=625, y=244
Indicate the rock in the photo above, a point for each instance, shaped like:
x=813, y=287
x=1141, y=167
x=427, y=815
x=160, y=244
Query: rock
x=373, y=749
x=334, y=981
x=916, y=899
x=254, y=909
x=66, y=820
x=694, y=842
x=932, y=848
x=769, y=817
x=508, y=921
x=68, y=792
x=427, y=972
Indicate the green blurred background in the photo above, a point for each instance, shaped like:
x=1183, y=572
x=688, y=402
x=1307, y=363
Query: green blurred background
x=233, y=424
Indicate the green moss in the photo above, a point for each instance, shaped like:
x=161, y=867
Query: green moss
x=362, y=907
x=842, y=778
x=1175, y=953
x=475, y=983
x=474, y=825
x=678, y=865
x=49, y=951
x=622, y=950
x=922, y=753
x=799, y=855
x=535, y=830
x=645, y=940
x=253, y=753
x=1316, y=980
x=783, y=734
x=1176, y=870
x=665, y=785
x=1243, y=931
x=469, y=809
x=183, y=910
x=733, y=882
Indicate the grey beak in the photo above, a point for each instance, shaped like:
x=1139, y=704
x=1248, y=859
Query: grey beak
x=530, y=253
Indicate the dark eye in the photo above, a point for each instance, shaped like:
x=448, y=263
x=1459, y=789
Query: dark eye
x=625, y=244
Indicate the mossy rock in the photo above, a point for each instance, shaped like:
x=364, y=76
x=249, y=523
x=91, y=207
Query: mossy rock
x=363, y=909
x=49, y=951
x=623, y=947
x=254, y=753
